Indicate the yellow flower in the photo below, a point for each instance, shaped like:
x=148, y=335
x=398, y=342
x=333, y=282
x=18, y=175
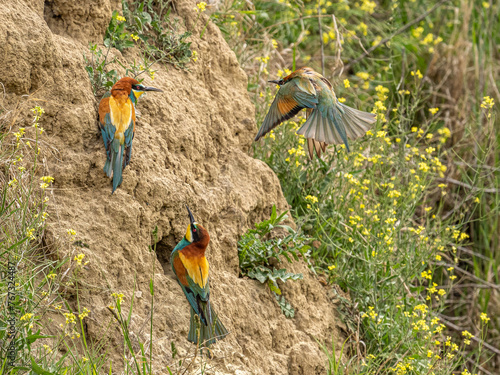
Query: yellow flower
x=71, y=232
x=274, y=43
x=194, y=56
x=26, y=317
x=202, y=6
x=312, y=198
x=484, y=318
x=467, y=334
x=363, y=28
x=121, y=19
x=363, y=75
x=487, y=102
x=433, y=110
x=417, y=32
x=342, y=100
x=47, y=179
x=118, y=297
x=347, y=83
x=426, y=275
x=70, y=318
x=79, y=258
x=135, y=37
x=332, y=267
x=417, y=73
x=84, y=314
x=486, y=5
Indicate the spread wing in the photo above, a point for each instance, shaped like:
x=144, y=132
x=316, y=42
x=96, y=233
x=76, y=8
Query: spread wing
x=292, y=97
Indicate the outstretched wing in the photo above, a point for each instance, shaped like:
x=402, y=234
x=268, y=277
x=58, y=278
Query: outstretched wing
x=292, y=97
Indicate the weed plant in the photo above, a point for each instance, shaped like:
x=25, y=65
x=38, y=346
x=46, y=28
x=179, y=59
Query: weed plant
x=260, y=255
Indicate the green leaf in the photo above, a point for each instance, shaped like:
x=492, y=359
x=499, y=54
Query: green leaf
x=37, y=369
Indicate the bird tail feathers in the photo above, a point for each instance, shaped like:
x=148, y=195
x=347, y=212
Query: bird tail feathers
x=114, y=164
x=203, y=334
x=334, y=126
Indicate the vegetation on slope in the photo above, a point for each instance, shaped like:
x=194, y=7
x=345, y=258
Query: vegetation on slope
x=408, y=221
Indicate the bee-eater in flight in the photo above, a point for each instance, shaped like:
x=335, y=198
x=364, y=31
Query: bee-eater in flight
x=117, y=124
x=328, y=120
x=191, y=268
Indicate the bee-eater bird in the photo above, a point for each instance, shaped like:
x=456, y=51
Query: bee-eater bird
x=328, y=120
x=191, y=268
x=117, y=124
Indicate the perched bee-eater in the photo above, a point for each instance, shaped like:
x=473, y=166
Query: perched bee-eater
x=117, y=124
x=328, y=120
x=191, y=268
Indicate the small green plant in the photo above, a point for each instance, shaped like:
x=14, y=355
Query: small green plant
x=100, y=77
x=152, y=23
x=259, y=256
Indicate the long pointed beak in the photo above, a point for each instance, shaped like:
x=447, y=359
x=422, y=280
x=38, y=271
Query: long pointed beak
x=275, y=81
x=152, y=89
x=191, y=217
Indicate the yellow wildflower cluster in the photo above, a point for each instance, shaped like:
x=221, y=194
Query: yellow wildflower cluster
x=284, y=73
x=363, y=28
x=370, y=314
x=84, y=313
x=263, y=59
x=79, y=258
x=484, y=318
x=26, y=317
x=312, y=199
x=121, y=19
x=367, y=6
x=118, y=297
x=70, y=318
x=417, y=74
x=382, y=92
x=379, y=109
x=201, y=7
x=487, y=103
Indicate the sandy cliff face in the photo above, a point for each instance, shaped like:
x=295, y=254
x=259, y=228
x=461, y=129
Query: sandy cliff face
x=191, y=146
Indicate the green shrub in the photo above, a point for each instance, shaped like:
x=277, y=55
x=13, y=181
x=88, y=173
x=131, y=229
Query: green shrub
x=260, y=255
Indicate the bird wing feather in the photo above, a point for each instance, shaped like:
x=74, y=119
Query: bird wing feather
x=289, y=100
x=107, y=128
x=186, y=283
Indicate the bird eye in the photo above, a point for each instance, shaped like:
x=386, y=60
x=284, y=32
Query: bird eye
x=194, y=230
x=281, y=82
